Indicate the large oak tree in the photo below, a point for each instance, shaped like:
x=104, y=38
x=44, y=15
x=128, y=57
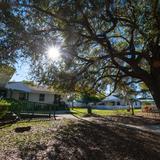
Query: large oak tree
x=119, y=39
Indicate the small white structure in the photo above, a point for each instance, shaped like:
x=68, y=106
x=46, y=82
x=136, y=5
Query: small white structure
x=111, y=102
x=137, y=104
x=21, y=91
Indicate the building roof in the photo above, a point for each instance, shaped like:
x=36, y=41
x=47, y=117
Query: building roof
x=19, y=86
x=111, y=98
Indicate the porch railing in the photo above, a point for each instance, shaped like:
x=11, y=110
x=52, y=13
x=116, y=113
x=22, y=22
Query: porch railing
x=36, y=107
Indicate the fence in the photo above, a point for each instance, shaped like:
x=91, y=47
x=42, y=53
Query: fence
x=35, y=107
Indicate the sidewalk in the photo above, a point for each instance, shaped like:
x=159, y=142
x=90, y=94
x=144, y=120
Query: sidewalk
x=150, y=128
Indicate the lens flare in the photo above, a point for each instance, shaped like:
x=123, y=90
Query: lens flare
x=53, y=53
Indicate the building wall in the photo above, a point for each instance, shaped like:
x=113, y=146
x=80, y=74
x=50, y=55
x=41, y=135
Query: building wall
x=13, y=94
x=34, y=97
x=137, y=104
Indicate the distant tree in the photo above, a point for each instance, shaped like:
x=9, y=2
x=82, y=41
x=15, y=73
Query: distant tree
x=144, y=91
x=128, y=91
x=31, y=83
x=88, y=95
x=88, y=99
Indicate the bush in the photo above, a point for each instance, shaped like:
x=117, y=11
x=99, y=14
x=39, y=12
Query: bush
x=16, y=106
x=4, y=107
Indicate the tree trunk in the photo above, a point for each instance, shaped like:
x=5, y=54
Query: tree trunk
x=154, y=88
x=156, y=96
x=89, y=109
x=132, y=109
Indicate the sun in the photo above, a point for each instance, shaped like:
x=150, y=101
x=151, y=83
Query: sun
x=53, y=53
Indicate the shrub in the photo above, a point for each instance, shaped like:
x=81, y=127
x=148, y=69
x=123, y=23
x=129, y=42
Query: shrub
x=4, y=107
x=16, y=106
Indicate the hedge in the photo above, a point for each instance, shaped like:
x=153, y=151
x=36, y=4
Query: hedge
x=4, y=107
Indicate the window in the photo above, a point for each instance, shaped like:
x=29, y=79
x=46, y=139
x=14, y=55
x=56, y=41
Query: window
x=22, y=96
x=118, y=104
x=101, y=103
x=41, y=97
x=111, y=103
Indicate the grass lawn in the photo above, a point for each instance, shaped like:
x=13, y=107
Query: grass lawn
x=82, y=112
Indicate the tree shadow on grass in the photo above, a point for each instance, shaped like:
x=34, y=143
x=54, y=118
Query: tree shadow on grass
x=135, y=120
x=83, y=140
x=29, y=152
x=100, y=141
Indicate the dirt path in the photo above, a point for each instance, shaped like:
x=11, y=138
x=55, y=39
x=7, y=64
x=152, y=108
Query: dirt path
x=66, y=116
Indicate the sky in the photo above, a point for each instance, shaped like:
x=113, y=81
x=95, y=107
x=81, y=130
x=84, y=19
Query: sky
x=22, y=71
x=23, y=68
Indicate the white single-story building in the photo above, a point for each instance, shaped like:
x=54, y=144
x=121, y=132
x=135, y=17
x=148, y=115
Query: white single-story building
x=39, y=94
x=147, y=101
x=113, y=102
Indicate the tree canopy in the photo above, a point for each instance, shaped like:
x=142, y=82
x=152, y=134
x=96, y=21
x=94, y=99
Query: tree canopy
x=114, y=41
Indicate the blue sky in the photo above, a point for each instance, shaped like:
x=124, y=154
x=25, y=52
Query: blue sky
x=22, y=71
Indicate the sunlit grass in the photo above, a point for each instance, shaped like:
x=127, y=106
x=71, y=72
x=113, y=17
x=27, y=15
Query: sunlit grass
x=82, y=112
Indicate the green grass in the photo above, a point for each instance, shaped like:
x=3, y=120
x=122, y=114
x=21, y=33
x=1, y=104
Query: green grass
x=82, y=112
